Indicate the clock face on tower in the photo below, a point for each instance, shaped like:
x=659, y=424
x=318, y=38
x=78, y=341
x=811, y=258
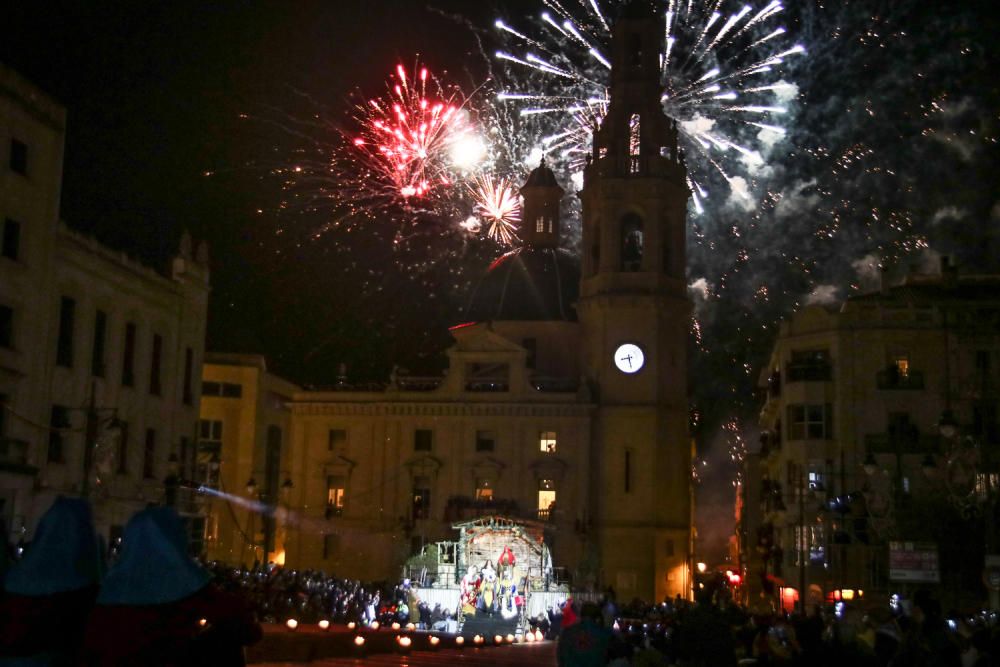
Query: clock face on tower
x=629, y=358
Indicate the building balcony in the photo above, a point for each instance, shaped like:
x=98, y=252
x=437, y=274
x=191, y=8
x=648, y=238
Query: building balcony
x=811, y=372
x=891, y=379
x=14, y=456
x=554, y=384
x=488, y=385
x=464, y=508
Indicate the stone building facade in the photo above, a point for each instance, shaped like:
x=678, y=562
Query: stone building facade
x=99, y=355
x=852, y=455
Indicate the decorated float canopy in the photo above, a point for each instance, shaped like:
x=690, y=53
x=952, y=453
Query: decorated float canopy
x=504, y=542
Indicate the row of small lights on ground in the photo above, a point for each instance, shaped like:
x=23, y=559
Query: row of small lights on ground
x=405, y=643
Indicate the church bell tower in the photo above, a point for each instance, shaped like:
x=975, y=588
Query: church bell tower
x=635, y=320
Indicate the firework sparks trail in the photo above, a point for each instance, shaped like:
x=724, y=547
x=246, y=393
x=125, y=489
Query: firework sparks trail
x=499, y=206
x=414, y=141
x=721, y=77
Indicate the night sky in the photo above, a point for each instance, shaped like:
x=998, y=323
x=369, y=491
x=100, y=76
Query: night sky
x=891, y=156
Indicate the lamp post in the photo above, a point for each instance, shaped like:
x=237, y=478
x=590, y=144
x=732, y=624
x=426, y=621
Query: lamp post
x=96, y=422
x=972, y=488
x=804, y=494
x=250, y=535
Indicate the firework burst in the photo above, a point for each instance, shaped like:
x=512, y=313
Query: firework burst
x=414, y=141
x=499, y=206
x=721, y=77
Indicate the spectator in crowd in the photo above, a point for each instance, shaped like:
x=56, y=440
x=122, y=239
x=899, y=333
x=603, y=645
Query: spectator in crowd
x=157, y=607
x=585, y=642
x=50, y=591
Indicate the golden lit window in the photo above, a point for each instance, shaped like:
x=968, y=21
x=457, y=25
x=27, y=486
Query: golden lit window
x=484, y=489
x=336, y=491
x=547, y=441
x=546, y=494
x=903, y=366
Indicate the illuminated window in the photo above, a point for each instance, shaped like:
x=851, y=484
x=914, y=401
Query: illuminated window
x=421, y=498
x=547, y=441
x=546, y=497
x=902, y=367
x=815, y=479
x=336, y=493
x=540, y=224
x=484, y=489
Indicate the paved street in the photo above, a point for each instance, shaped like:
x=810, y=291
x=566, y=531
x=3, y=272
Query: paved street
x=542, y=655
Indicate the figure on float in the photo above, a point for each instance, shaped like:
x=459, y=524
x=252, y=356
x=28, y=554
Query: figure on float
x=469, y=590
x=488, y=588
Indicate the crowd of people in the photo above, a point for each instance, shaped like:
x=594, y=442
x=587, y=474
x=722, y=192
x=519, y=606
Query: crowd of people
x=719, y=633
x=277, y=594
x=63, y=603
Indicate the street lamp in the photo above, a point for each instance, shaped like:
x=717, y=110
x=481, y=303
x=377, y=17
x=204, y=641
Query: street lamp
x=251, y=512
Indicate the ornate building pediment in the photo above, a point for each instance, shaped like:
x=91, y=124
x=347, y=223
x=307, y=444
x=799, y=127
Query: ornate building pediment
x=339, y=465
x=480, y=338
x=424, y=466
x=487, y=468
x=549, y=467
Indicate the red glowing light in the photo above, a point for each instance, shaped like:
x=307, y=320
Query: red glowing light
x=407, y=137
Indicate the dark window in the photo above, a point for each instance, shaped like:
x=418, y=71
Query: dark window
x=154, y=370
x=984, y=421
x=810, y=422
x=632, y=242
x=423, y=440
x=19, y=157
x=485, y=441
x=634, y=47
x=182, y=457
x=188, y=368
x=983, y=361
x=123, y=450
x=100, y=336
x=58, y=422
x=64, y=351
x=6, y=326
x=628, y=471
x=337, y=440
x=223, y=389
x=331, y=545
x=149, y=455
x=128, y=360
x=3, y=414
x=531, y=345
x=210, y=430
x=421, y=498
x=11, y=247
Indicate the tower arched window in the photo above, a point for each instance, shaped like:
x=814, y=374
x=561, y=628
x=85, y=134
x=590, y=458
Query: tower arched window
x=634, y=50
x=632, y=241
x=634, y=143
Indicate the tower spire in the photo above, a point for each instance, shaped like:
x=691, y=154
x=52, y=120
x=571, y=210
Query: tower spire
x=540, y=214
